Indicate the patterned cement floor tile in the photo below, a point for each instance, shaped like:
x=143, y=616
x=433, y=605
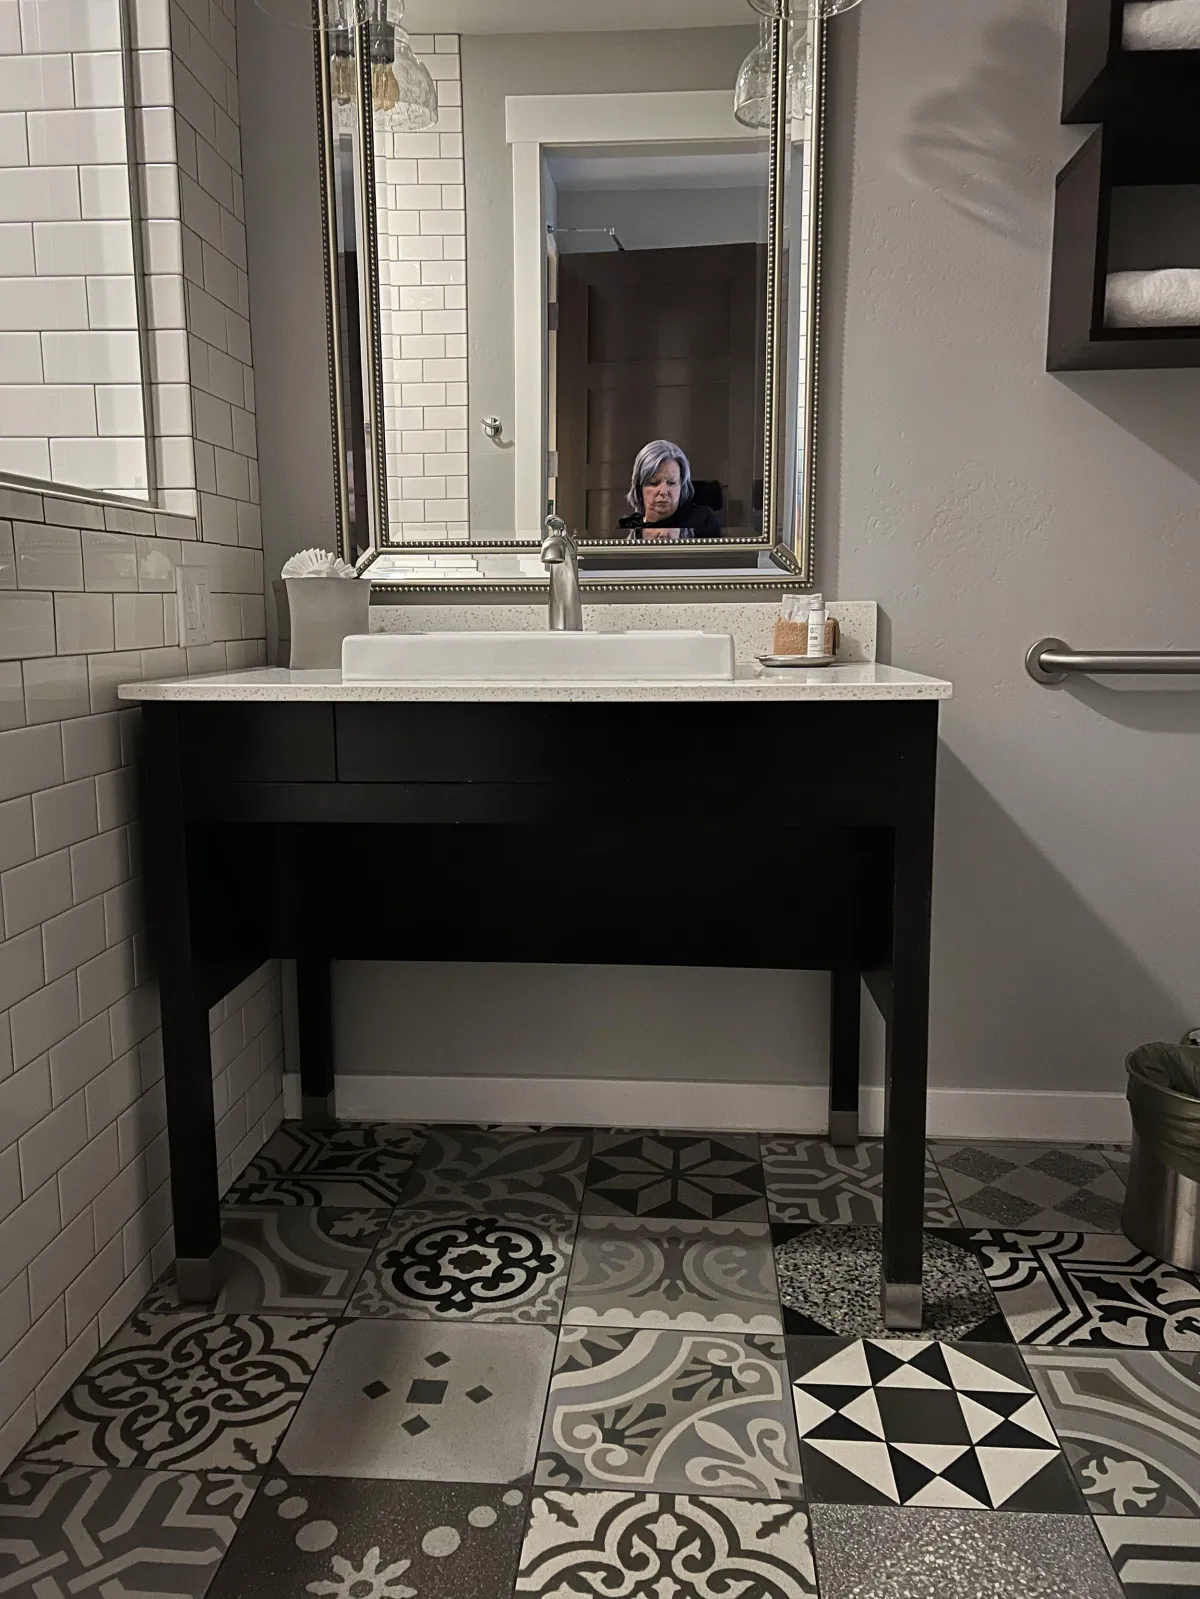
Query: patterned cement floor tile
x=288, y=1262
x=1037, y=1187
x=673, y=1411
x=445, y=1263
x=629, y=1272
x=1129, y=1421
x=885, y=1552
x=829, y=1283
x=511, y=1170
x=381, y=1540
x=424, y=1400
x=1157, y=1559
x=75, y=1530
x=693, y=1176
x=810, y=1180
x=1092, y=1289
x=907, y=1422
x=207, y=1393
x=352, y=1166
x=677, y=1546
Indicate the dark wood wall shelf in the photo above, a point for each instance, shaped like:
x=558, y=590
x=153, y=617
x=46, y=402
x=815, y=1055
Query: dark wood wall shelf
x=1148, y=105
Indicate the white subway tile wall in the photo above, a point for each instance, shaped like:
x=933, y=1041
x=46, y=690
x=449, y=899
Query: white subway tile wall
x=422, y=211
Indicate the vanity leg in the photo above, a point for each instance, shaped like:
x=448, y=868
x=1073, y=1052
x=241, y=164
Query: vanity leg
x=187, y=1058
x=314, y=1009
x=845, y=1019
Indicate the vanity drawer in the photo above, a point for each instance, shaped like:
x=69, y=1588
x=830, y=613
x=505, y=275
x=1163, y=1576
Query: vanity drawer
x=257, y=744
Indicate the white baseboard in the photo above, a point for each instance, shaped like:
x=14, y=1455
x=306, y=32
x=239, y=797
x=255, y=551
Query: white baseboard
x=756, y=1107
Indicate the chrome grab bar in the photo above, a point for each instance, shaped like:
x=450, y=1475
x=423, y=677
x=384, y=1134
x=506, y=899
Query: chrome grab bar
x=1050, y=660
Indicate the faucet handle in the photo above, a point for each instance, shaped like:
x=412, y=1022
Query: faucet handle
x=554, y=545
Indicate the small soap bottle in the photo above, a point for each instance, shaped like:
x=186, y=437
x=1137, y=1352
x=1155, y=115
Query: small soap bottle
x=816, y=625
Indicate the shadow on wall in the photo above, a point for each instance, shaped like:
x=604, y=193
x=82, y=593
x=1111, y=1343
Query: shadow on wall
x=1159, y=407
x=971, y=144
x=1045, y=975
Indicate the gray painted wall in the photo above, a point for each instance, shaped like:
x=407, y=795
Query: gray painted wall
x=497, y=65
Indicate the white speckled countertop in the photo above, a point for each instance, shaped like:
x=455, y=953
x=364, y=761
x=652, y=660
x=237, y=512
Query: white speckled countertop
x=265, y=684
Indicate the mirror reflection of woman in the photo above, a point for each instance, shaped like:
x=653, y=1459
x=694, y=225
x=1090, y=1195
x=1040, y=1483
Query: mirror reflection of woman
x=662, y=501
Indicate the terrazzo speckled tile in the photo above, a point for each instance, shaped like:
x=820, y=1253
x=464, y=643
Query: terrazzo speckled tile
x=352, y=1165
x=673, y=1411
x=1129, y=1421
x=907, y=1422
x=829, y=1284
x=423, y=1400
x=1157, y=1559
x=382, y=1540
x=511, y=1170
x=296, y=1261
x=444, y=1263
x=674, y=1546
x=1037, y=1187
x=870, y=1552
x=209, y=1393
x=811, y=1180
x=1090, y=1288
x=629, y=1272
x=690, y=1176
x=81, y=1531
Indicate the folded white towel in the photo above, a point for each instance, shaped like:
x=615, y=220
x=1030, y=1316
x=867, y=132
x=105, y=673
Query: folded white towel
x=1169, y=298
x=1162, y=25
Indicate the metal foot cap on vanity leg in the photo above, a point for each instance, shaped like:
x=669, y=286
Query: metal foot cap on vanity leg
x=843, y=1128
x=902, y=1306
x=316, y=1111
x=196, y=1280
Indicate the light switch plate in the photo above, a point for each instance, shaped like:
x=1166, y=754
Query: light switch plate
x=195, y=606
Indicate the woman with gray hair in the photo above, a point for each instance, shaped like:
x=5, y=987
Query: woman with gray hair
x=662, y=500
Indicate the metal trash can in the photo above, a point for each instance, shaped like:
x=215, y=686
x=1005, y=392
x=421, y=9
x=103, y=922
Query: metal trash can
x=1162, y=1200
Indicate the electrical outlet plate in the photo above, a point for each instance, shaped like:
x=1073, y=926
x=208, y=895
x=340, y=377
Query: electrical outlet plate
x=195, y=606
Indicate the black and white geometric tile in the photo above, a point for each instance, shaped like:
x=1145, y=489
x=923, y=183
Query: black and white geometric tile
x=288, y=1262
x=665, y=1546
x=424, y=1400
x=679, y=1412
x=1091, y=1289
x=1034, y=1186
x=810, y=1180
x=1155, y=1559
x=381, y=1540
x=829, y=1285
x=696, y=1176
x=640, y=1273
x=886, y=1552
x=209, y=1393
x=351, y=1166
x=447, y=1263
x=81, y=1531
x=512, y=1171
x=1129, y=1421
x=901, y=1422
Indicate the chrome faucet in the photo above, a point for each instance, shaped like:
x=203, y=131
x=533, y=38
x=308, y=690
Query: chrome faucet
x=561, y=559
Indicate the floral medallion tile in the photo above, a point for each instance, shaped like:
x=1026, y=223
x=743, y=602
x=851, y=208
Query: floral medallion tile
x=670, y=1411
x=287, y=1262
x=78, y=1530
x=446, y=1263
x=211, y=1393
x=810, y=1180
x=509, y=1170
x=1157, y=1559
x=422, y=1400
x=1032, y=1186
x=339, y=1539
x=1129, y=1421
x=679, y=1546
x=693, y=1176
x=829, y=1284
x=907, y=1422
x=351, y=1166
x=1092, y=1289
x=642, y=1273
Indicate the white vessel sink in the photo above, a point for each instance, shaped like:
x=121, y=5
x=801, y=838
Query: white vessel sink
x=663, y=657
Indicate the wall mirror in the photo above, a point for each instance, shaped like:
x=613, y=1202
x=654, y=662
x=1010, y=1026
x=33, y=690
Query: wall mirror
x=558, y=232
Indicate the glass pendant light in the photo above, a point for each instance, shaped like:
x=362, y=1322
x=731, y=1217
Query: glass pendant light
x=403, y=92
x=752, y=96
